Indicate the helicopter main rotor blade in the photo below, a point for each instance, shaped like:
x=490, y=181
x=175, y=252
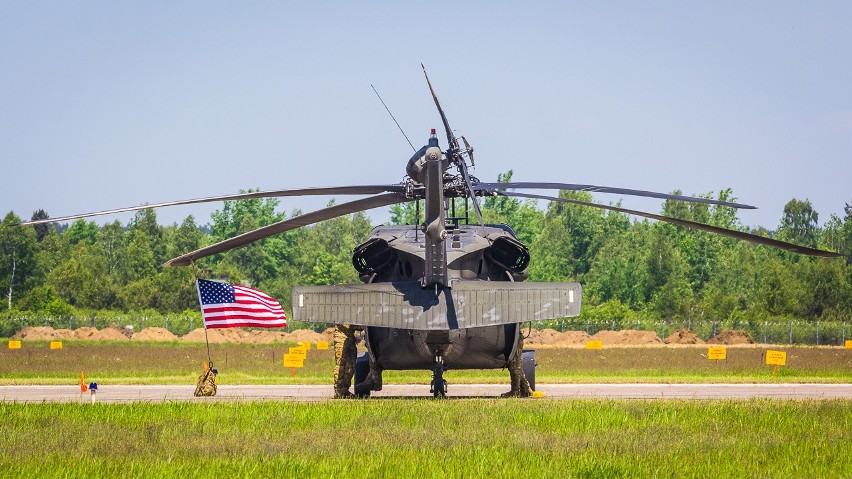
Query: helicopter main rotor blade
x=605, y=189
x=290, y=224
x=793, y=248
x=454, y=149
x=331, y=190
x=470, y=192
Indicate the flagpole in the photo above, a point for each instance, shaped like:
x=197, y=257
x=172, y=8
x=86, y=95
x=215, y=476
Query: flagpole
x=203, y=323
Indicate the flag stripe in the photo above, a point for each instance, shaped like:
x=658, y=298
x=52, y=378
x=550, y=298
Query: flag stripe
x=259, y=316
x=246, y=325
x=254, y=299
x=230, y=306
x=254, y=295
x=240, y=308
x=243, y=320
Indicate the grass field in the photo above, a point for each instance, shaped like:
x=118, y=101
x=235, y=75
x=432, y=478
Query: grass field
x=123, y=362
x=428, y=438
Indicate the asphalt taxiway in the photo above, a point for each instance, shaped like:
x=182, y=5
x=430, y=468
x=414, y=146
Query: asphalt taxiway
x=125, y=394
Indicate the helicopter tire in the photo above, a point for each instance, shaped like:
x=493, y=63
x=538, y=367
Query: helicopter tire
x=439, y=385
x=362, y=370
x=528, y=364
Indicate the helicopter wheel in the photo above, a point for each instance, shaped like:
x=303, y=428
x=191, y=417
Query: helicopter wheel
x=439, y=385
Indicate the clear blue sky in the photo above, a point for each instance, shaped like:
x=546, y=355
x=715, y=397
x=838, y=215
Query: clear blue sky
x=109, y=104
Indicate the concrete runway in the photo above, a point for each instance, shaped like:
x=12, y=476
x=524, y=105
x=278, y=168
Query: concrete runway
x=125, y=394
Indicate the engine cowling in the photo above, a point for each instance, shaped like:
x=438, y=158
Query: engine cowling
x=373, y=255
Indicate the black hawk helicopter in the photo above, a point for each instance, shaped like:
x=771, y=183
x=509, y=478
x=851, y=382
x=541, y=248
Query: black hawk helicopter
x=444, y=294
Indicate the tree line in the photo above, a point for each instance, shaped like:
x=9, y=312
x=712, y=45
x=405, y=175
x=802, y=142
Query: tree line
x=629, y=268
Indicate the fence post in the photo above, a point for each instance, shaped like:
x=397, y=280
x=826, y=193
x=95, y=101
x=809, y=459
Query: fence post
x=765, y=324
x=817, y=333
x=587, y=326
x=714, y=329
x=844, y=332
x=791, y=331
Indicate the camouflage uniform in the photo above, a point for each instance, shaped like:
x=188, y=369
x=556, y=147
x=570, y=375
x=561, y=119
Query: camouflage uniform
x=520, y=385
x=345, y=353
x=206, y=384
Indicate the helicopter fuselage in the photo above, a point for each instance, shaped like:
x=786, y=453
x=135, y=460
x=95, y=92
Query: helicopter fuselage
x=474, y=253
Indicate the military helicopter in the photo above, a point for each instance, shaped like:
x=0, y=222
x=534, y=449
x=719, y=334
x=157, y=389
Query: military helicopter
x=446, y=293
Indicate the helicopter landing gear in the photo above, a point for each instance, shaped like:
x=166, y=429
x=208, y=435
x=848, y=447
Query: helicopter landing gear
x=439, y=385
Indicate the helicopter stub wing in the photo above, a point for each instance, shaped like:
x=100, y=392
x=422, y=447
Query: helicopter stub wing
x=405, y=305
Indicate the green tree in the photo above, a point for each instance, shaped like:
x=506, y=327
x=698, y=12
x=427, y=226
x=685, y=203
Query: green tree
x=41, y=229
x=666, y=285
x=799, y=223
x=113, y=243
x=406, y=213
x=17, y=257
x=82, y=231
x=228, y=222
x=83, y=280
x=618, y=269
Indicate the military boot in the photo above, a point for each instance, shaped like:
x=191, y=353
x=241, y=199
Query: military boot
x=342, y=394
x=515, y=391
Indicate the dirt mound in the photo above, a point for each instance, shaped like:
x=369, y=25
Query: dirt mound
x=85, y=332
x=108, y=334
x=328, y=334
x=627, y=336
x=197, y=336
x=64, y=334
x=551, y=337
x=36, y=333
x=683, y=336
x=154, y=334
x=305, y=335
x=125, y=330
x=541, y=337
x=266, y=337
x=235, y=335
x=731, y=336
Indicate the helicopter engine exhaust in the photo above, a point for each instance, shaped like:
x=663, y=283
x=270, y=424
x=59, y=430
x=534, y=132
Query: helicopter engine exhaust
x=509, y=253
x=373, y=255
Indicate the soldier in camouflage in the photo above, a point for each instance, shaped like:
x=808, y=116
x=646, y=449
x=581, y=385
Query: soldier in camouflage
x=520, y=385
x=345, y=353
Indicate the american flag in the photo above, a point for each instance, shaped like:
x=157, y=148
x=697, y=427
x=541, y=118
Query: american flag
x=230, y=306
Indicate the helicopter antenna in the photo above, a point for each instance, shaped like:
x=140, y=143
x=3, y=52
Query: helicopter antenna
x=394, y=119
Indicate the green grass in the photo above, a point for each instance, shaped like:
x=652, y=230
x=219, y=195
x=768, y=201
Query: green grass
x=428, y=438
x=122, y=362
